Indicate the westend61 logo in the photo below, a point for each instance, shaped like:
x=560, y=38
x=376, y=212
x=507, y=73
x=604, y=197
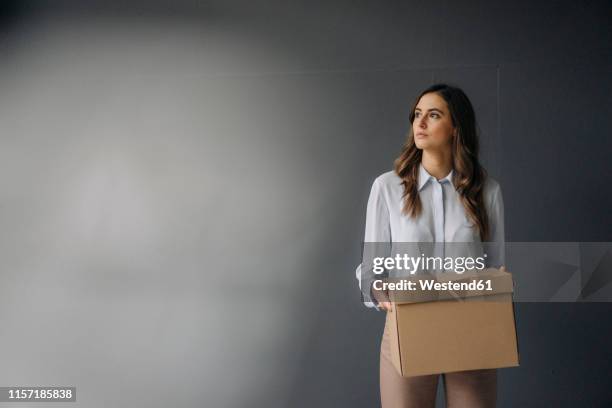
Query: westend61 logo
x=412, y=264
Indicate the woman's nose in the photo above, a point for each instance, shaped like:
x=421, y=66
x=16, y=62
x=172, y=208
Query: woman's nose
x=422, y=122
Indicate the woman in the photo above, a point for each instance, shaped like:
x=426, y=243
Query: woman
x=438, y=192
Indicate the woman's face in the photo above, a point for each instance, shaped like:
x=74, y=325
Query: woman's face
x=432, y=126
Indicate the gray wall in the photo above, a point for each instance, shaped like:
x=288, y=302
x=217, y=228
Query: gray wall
x=183, y=189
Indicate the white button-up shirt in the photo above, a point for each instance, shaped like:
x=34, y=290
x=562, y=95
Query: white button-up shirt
x=442, y=219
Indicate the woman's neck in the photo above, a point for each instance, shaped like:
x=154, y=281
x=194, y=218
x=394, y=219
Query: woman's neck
x=437, y=163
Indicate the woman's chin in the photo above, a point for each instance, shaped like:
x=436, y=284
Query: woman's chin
x=421, y=145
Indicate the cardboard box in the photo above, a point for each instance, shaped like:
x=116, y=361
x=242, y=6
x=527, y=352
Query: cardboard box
x=454, y=330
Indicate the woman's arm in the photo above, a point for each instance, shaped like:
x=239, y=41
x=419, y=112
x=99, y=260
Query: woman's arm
x=497, y=247
x=377, y=232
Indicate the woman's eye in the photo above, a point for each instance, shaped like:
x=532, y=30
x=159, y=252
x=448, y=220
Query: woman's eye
x=435, y=115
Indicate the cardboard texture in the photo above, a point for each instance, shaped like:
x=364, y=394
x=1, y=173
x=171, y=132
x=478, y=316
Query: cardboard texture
x=445, y=331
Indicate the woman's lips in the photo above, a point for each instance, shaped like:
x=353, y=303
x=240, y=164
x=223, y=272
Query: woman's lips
x=420, y=135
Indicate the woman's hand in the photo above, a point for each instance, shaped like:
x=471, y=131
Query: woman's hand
x=382, y=296
x=386, y=306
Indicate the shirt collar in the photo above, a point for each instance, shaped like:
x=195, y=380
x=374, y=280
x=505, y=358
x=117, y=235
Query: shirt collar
x=424, y=177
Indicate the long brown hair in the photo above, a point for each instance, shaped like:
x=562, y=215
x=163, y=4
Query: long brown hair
x=468, y=176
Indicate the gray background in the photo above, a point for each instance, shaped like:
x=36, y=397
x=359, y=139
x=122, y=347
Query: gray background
x=183, y=189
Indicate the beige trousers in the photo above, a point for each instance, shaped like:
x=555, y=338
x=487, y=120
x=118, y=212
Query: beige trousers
x=464, y=389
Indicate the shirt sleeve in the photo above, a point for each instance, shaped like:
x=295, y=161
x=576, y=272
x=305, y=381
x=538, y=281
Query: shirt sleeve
x=377, y=230
x=497, y=246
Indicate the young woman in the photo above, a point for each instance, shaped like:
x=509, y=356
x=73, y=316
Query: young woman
x=438, y=192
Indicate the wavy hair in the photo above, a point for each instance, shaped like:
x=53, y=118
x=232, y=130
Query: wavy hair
x=468, y=176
